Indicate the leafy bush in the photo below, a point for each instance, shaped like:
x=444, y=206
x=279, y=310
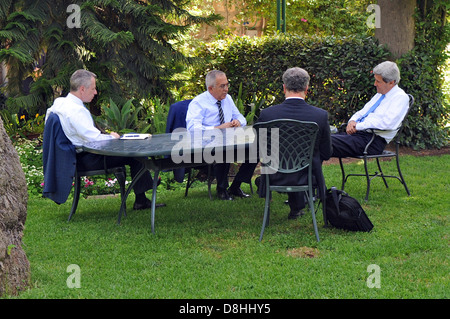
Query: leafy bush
x=423, y=77
x=30, y=155
x=156, y=116
x=122, y=119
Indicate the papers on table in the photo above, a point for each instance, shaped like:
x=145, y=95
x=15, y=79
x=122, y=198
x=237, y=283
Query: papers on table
x=135, y=136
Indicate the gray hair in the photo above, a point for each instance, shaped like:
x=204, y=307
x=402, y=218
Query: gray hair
x=296, y=79
x=210, y=79
x=81, y=78
x=388, y=71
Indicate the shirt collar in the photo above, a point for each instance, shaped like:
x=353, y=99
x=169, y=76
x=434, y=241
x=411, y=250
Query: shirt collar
x=75, y=99
x=392, y=91
x=294, y=97
x=212, y=98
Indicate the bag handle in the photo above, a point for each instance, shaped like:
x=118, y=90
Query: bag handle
x=336, y=198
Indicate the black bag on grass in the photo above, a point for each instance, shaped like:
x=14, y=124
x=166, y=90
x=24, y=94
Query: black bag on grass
x=345, y=212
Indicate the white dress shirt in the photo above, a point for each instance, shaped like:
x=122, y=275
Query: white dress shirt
x=203, y=113
x=387, y=116
x=76, y=120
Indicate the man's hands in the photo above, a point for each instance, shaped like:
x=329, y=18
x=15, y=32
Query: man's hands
x=351, y=127
x=114, y=134
x=233, y=123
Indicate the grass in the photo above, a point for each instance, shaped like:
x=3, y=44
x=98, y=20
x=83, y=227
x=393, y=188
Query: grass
x=210, y=249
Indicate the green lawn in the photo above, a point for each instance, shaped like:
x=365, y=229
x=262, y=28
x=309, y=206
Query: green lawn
x=210, y=249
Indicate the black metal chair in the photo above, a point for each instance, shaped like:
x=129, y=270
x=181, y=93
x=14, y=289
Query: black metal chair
x=385, y=154
x=294, y=142
x=177, y=119
x=119, y=172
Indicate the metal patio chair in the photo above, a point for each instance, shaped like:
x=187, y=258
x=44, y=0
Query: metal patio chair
x=385, y=154
x=295, y=148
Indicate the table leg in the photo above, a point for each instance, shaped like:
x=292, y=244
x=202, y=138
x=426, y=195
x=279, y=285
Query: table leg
x=155, y=187
x=122, y=210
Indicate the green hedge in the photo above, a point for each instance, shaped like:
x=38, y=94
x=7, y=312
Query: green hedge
x=340, y=70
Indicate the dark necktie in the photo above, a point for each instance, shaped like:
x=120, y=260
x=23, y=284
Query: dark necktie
x=361, y=119
x=219, y=105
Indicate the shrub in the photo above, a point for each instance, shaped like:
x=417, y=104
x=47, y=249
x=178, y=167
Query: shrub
x=30, y=155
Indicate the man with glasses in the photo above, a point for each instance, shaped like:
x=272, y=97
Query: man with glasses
x=215, y=109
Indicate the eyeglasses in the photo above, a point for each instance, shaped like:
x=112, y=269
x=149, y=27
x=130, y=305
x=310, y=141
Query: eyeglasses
x=223, y=86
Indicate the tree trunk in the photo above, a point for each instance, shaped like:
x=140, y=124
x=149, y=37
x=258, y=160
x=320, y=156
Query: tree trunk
x=14, y=265
x=397, y=25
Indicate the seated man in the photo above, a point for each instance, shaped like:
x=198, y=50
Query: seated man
x=295, y=85
x=215, y=108
x=78, y=126
x=385, y=111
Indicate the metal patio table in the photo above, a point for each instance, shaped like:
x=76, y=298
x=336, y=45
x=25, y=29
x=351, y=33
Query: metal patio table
x=181, y=148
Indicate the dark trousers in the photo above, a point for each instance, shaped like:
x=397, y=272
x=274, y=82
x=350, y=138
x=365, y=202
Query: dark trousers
x=296, y=201
x=244, y=174
x=346, y=145
x=89, y=161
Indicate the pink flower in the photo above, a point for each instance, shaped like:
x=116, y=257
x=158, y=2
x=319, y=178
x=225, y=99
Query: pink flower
x=303, y=20
x=87, y=182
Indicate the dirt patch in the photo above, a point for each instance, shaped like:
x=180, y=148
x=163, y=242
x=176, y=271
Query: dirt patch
x=303, y=252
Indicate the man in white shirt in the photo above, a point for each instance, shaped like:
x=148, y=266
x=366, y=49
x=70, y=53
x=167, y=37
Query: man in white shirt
x=385, y=111
x=215, y=109
x=78, y=125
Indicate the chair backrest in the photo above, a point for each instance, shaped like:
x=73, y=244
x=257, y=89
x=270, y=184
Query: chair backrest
x=177, y=115
x=401, y=126
x=59, y=161
x=292, y=140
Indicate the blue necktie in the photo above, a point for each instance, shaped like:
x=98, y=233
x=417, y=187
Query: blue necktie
x=361, y=119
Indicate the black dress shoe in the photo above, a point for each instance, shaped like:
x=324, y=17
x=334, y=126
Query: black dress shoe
x=295, y=215
x=238, y=192
x=223, y=195
x=146, y=205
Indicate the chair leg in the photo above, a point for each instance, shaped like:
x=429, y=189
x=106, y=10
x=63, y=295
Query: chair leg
x=381, y=173
x=209, y=182
x=266, y=215
x=322, y=192
x=402, y=180
x=311, y=207
x=188, y=184
x=343, y=173
x=121, y=178
x=76, y=196
x=367, y=178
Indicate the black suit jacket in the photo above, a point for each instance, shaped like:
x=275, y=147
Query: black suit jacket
x=298, y=109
